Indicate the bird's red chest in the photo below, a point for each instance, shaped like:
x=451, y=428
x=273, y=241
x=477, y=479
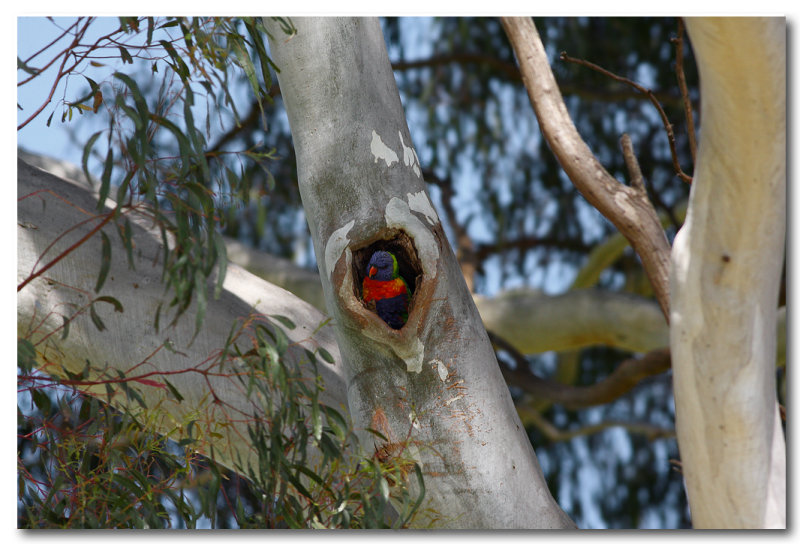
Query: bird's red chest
x=379, y=290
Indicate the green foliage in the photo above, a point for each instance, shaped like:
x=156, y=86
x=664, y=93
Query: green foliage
x=84, y=464
x=305, y=467
x=154, y=147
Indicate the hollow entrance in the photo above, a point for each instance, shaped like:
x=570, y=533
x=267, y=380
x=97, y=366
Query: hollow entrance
x=402, y=247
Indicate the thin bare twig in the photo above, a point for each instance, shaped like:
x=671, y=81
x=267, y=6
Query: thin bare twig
x=687, y=104
x=511, y=72
x=49, y=45
x=647, y=92
x=61, y=73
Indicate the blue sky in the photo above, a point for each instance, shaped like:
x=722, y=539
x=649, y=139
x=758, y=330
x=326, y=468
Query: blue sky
x=37, y=137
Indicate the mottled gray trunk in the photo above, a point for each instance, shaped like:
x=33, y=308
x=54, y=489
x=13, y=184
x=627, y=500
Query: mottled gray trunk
x=433, y=388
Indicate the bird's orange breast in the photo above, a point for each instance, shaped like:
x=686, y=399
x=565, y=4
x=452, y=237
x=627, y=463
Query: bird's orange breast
x=379, y=290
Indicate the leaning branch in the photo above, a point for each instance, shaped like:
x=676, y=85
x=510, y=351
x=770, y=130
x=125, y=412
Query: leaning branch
x=626, y=207
x=624, y=378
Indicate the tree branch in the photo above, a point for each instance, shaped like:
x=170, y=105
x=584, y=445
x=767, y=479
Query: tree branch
x=554, y=434
x=196, y=365
x=629, y=210
x=726, y=268
x=624, y=378
x=637, y=180
x=651, y=96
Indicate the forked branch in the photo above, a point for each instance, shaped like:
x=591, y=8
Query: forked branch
x=653, y=100
x=627, y=208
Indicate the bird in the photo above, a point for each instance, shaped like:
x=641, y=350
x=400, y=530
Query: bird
x=389, y=291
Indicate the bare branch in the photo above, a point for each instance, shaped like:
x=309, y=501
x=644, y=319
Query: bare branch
x=511, y=72
x=624, y=378
x=554, y=434
x=629, y=210
x=651, y=96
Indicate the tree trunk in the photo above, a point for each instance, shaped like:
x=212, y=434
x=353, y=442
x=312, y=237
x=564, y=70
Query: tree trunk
x=432, y=388
x=726, y=269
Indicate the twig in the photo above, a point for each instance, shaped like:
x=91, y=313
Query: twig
x=647, y=92
x=106, y=218
x=511, y=71
x=49, y=45
x=635, y=172
x=687, y=104
x=61, y=73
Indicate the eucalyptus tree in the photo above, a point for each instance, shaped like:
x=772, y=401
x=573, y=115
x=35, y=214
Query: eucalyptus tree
x=440, y=417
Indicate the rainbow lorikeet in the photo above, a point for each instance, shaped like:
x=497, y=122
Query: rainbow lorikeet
x=387, y=288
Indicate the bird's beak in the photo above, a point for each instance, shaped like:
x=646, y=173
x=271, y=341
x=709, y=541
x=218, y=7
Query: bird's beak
x=372, y=271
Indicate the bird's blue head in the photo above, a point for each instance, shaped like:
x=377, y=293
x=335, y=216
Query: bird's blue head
x=382, y=266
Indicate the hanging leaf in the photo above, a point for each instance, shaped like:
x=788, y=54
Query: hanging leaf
x=87, y=151
x=126, y=235
x=25, y=68
x=111, y=300
x=126, y=57
x=202, y=301
x=97, y=101
x=325, y=354
x=173, y=391
x=65, y=326
x=96, y=319
x=26, y=355
x=41, y=400
x=283, y=320
x=105, y=261
x=222, y=262
x=105, y=179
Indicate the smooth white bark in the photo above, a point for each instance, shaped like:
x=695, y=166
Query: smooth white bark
x=726, y=268
x=130, y=342
x=434, y=386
